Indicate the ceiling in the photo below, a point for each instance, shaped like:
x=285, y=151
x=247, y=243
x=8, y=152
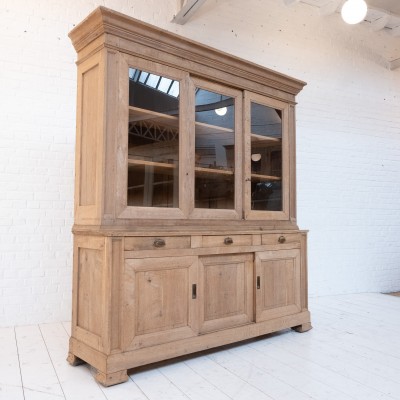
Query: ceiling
x=392, y=6
x=381, y=25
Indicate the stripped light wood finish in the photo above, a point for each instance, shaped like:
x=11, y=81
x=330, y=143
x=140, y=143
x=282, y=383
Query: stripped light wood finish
x=160, y=280
x=278, y=283
x=225, y=292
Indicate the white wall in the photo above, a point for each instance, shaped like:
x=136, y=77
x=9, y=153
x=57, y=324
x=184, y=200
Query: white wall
x=348, y=121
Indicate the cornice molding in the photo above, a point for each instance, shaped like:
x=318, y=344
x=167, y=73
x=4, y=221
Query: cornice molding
x=119, y=30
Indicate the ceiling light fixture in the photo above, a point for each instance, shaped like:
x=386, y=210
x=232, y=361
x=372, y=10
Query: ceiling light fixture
x=221, y=111
x=354, y=11
x=256, y=157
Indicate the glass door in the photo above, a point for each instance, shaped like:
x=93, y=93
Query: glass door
x=266, y=158
x=217, y=151
x=152, y=140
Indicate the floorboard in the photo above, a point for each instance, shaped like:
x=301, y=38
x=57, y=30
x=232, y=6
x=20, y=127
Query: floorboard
x=39, y=378
x=353, y=353
x=10, y=376
x=77, y=382
x=230, y=384
x=342, y=384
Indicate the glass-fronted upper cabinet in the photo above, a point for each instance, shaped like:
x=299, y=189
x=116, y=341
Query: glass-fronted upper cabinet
x=266, y=157
x=173, y=130
x=185, y=154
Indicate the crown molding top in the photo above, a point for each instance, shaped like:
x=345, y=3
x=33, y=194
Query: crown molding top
x=120, y=32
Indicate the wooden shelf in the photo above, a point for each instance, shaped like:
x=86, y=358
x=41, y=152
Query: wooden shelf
x=264, y=141
x=139, y=114
x=170, y=182
x=266, y=177
x=207, y=129
x=200, y=171
x=158, y=166
x=212, y=173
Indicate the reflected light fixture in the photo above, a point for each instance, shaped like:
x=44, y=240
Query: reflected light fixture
x=256, y=157
x=354, y=11
x=221, y=111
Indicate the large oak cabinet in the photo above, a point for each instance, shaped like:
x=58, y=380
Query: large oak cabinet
x=185, y=234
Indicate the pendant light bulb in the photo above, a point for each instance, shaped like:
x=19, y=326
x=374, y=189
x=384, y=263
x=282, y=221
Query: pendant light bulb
x=354, y=11
x=221, y=111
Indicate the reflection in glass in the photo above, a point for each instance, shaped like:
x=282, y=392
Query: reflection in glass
x=214, y=151
x=266, y=158
x=153, y=144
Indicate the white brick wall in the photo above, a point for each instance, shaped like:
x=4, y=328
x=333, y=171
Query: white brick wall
x=348, y=141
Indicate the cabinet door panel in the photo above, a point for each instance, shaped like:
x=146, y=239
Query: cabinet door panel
x=216, y=155
x=150, y=146
x=226, y=291
x=277, y=284
x=266, y=155
x=158, y=304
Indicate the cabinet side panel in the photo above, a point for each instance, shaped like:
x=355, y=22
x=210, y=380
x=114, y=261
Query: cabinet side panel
x=112, y=104
x=292, y=164
x=89, y=132
x=304, y=274
x=117, y=260
x=90, y=262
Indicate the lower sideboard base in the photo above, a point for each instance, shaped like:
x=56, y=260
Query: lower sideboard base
x=112, y=369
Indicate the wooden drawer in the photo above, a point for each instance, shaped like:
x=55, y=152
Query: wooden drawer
x=157, y=242
x=227, y=240
x=281, y=238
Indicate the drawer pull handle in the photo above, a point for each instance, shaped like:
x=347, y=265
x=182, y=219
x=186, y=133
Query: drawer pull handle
x=281, y=239
x=258, y=282
x=159, y=243
x=228, y=240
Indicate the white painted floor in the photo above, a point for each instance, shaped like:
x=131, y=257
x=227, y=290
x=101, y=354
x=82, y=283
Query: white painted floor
x=353, y=352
